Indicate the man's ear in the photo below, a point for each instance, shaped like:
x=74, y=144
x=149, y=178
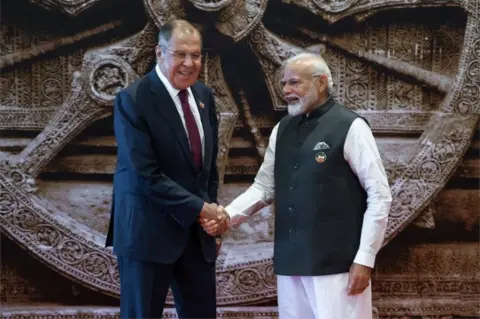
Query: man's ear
x=158, y=53
x=322, y=82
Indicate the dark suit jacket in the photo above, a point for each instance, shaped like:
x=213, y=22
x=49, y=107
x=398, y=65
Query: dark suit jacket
x=157, y=196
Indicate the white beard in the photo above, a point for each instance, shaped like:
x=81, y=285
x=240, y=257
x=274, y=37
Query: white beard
x=303, y=103
x=296, y=109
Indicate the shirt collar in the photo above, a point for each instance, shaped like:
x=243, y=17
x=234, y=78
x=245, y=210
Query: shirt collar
x=171, y=90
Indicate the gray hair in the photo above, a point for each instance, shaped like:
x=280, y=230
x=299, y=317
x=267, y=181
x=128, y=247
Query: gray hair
x=319, y=66
x=166, y=31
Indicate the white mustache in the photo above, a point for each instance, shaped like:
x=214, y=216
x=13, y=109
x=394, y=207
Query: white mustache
x=292, y=96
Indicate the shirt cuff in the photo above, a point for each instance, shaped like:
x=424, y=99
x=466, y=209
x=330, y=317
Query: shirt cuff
x=236, y=218
x=365, y=259
x=230, y=211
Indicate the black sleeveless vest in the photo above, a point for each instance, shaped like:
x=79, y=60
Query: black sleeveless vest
x=319, y=202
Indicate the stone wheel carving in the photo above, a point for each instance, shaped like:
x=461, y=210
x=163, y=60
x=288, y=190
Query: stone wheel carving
x=77, y=251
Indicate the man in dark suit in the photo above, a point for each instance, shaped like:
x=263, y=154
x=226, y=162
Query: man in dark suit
x=165, y=181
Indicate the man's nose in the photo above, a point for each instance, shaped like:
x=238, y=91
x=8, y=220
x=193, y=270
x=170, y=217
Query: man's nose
x=188, y=61
x=286, y=89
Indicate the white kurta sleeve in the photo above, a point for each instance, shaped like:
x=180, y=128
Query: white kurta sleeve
x=262, y=191
x=360, y=151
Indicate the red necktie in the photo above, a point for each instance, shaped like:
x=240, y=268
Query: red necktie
x=192, y=129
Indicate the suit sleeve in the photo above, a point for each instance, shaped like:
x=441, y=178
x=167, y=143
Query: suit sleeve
x=213, y=179
x=134, y=139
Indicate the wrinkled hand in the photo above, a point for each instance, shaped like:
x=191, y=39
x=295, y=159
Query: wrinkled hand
x=358, y=279
x=224, y=223
x=216, y=226
x=209, y=211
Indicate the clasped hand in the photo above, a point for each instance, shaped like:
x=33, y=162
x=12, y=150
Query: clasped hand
x=214, y=219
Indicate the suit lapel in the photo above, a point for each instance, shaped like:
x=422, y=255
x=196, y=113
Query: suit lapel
x=164, y=103
x=202, y=109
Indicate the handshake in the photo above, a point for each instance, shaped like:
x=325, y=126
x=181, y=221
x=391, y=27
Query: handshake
x=214, y=219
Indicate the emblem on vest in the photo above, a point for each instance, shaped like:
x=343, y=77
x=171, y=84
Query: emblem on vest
x=320, y=157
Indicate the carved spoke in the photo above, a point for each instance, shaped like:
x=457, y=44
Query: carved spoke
x=271, y=52
x=15, y=118
x=434, y=80
x=227, y=110
x=44, y=48
x=104, y=73
x=77, y=113
x=334, y=11
x=252, y=126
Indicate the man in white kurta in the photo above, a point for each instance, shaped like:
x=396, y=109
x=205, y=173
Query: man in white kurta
x=347, y=294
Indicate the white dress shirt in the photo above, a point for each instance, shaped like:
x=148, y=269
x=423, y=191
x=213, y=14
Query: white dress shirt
x=178, y=104
x=360, y=151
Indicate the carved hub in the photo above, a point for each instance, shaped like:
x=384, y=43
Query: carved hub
x=107, y=77
x=401, y=81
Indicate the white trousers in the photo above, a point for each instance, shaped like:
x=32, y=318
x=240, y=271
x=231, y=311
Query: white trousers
x=321, y=297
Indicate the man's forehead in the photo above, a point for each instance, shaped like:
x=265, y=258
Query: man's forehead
x=293, y=71
x=180, y=37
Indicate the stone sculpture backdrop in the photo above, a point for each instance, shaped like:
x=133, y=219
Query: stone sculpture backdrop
x=412, y=68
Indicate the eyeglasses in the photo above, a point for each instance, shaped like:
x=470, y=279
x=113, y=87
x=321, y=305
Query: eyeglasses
x=182, y=56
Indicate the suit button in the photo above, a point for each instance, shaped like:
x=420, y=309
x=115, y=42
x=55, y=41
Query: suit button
x=292, y=186
x=299, y=144
x=290, y=209
x=305, y=124
x=291, y=230
x=296, y=165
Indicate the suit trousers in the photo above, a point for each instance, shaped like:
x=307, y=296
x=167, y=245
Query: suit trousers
x=144, y=285
x=321, y=297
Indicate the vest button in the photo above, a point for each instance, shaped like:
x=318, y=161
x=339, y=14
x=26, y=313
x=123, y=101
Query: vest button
x=292, y=186
x=299, y=144
x=290, y=209
x=291, y=230
x=305, y=124
x=296, y=165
